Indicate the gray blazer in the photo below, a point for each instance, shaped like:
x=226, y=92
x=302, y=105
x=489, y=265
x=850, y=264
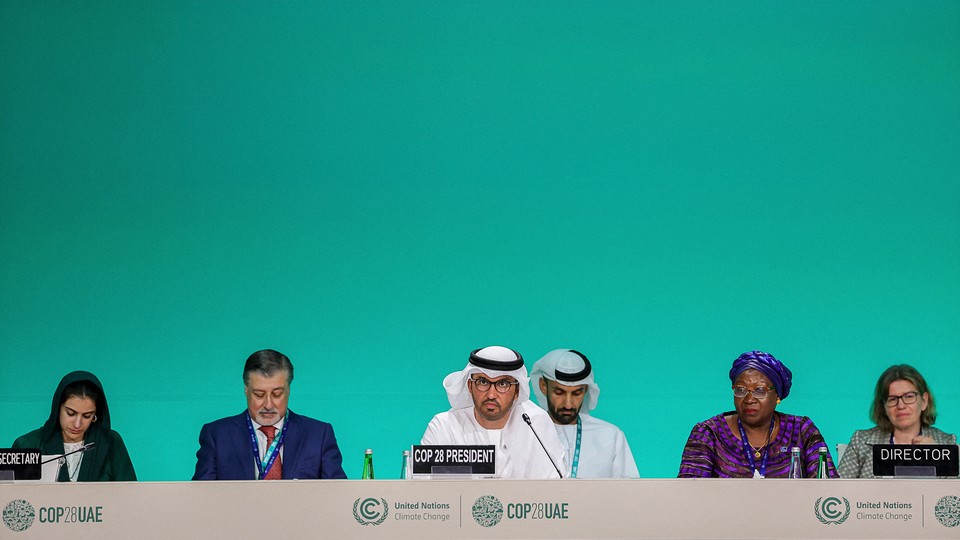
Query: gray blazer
x=857, y=460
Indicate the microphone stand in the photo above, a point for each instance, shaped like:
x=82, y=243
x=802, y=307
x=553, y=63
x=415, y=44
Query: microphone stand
x=526, y=418
x=62, y=458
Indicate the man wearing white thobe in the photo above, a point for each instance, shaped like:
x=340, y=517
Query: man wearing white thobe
x=565, y=387
x=489, y=400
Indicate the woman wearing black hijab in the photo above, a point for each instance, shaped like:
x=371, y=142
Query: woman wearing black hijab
x=79, y=416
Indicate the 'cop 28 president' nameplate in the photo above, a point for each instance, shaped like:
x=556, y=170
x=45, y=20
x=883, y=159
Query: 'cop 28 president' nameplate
x=915, y=460
x=24, y=462
x=478, y=460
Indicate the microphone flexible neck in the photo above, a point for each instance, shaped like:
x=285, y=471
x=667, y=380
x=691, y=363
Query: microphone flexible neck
x=526, y=418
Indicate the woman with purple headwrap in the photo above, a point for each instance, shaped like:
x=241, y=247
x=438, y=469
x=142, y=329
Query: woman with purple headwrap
x=754, y=440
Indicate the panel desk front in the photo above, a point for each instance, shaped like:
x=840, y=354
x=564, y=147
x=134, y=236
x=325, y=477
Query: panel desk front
x=645, y=508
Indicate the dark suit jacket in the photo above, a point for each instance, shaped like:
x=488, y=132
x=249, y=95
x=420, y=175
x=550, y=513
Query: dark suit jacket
x=310, y=450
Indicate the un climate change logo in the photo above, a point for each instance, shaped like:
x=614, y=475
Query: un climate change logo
x=372, y=511
x=18, y=515
x=947, y=511
x=829, y=512
x=487, y=511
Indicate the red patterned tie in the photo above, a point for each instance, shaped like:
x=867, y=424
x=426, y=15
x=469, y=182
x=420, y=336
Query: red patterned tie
x=276, y=472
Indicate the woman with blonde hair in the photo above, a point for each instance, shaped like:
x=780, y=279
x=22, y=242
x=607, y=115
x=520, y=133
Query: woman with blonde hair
x=903, y=411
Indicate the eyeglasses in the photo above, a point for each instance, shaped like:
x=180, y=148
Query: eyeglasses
x=908, y=399
x=759, y=392
x=502, y=386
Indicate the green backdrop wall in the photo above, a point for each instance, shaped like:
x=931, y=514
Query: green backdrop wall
x=376, y=188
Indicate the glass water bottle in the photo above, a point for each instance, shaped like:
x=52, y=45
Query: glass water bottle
x=822, y=463
x=367, y=465
x=796, y=468
x=404, y=470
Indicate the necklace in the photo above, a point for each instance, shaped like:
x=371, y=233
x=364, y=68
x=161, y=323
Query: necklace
x=758, y=450
x=73, y=460
x=751, y=457
x=76, y=469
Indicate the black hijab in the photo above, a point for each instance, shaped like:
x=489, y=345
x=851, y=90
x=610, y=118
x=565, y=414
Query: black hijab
x=51, y=435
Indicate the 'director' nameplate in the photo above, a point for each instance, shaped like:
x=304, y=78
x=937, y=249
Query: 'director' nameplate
x=454, y=459
x=893, y=459
x=24, y=462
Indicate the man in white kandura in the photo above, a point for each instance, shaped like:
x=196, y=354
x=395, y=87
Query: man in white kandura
x=490, y=400
x=563, y=382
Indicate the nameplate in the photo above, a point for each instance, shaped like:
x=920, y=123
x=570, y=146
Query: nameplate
x=479, y=460
x=916, y=460
x=23, y=462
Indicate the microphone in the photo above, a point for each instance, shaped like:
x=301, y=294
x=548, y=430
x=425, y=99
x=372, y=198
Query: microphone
x=84, y=448
x=526, y=418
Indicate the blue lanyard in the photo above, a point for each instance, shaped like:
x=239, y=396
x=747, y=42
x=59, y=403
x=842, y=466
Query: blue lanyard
x=576, y=452
x=264, y=465
x=918, y=435
x=748, y=450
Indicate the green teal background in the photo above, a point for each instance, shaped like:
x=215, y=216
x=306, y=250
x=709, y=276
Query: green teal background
x=377, y=188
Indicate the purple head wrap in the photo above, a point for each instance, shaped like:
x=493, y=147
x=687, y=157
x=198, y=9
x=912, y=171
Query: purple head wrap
x=773, y=369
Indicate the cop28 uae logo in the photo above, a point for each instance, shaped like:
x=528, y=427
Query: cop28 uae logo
x=370, y=511
x=947, y=511
x=487, y=511
x=18, y=515
x=829, y=512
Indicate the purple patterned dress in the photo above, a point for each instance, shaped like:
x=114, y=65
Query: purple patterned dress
x=713, y=451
